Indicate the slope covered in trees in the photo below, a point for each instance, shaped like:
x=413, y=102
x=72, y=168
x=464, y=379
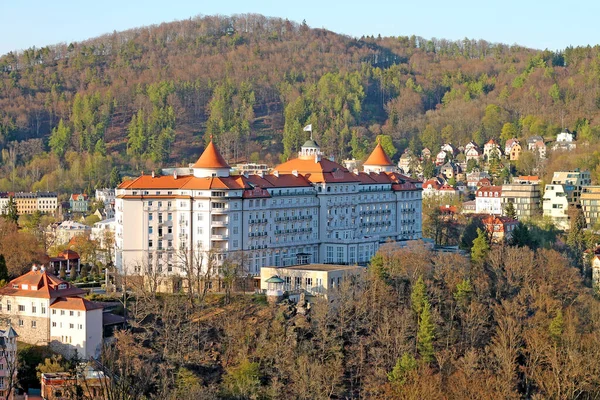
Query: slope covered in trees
x=148, y=96
x=422, y=325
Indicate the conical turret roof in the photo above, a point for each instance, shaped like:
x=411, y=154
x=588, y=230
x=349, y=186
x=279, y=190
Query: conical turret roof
x=378, y=157
x=211, y=158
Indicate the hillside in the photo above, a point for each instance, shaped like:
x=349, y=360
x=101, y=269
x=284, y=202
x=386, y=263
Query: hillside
x=147, y=97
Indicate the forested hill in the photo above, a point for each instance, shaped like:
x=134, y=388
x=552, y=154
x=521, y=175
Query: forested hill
x=147, y=97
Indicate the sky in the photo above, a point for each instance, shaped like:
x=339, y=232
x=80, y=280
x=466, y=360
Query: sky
x=549, y=24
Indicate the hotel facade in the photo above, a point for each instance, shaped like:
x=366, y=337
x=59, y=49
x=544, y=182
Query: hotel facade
x=308, y=210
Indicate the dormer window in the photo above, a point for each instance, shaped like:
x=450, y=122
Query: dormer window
x=62, y=286
x=24, y=286
x=15, y=286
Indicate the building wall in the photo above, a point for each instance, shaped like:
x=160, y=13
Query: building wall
x=68, y=332
x=93, y=331
x=525, y=198
x=590, y=204
x=32, y=323
x=346, y=218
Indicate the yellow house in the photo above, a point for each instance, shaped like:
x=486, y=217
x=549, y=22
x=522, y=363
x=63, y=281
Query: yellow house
x=313, y=279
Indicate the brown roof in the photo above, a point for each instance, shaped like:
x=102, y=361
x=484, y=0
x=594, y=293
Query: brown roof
x=378, y=157
x=211, y=158
x=66, y=255
x=40, y=284
x=75, y=303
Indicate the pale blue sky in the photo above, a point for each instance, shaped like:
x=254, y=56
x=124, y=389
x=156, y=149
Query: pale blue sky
x=539, y=24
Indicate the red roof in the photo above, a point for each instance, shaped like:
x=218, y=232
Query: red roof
x=323, y=170
x=75, y=303
x=66, y=255
x=378, y=157
x=40, y=284
x=211, y=158
x=493, y=191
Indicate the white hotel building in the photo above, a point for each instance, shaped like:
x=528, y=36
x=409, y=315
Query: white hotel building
x=308, y=210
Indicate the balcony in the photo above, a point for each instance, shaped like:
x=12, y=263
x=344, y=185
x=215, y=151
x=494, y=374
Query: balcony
x=219, y=222
x=219, y=237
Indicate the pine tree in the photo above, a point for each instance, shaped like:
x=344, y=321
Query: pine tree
x=426, y=333
x=481, y=247
x=115, y=177
x=3, y=269
x=418, y=296
x=60, y=139
x=11, y=212
x=509, y=210
x=403, y=367
x=557, y=326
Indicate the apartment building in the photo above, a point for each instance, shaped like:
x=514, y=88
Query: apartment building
x=79, y=202
x=8, y=363
x=29, y=202
x=526, y=198
x=488, y=200
x=309, y=209
x=563, y=194
x=49, y=311
x=590, y=204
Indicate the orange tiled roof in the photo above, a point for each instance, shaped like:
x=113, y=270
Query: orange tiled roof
x=274, y=181
x=186, y=182
x=40, y=284
x=211, y=158
x=75, y=303
x=323, y=170
x=378, y=157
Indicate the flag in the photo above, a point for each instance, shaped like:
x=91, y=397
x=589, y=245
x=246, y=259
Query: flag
x=308, y=128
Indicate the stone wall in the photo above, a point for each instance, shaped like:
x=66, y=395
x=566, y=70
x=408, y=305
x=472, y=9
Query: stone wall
x=40, y=335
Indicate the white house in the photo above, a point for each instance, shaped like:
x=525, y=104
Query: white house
x=49, y=311
x=565, y=141
x=488, y=200
x=563, y=194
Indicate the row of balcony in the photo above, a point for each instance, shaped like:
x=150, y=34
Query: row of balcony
x=376, y=212
x=257, y=234
x=297, y=230
x=258, y=221
x=294, y=218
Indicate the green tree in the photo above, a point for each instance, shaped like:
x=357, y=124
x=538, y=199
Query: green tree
x=470, y=233
x=426, y=333
x=428, y=169
x=463, y=292
x=11, y=212
x=430, y=138
x=509, y=131
x=557, y=325
x=521, y=237
x=509, y=210
x=418, y=295
x=576, y=241
x=60, y=139
x=402, y=369
x=115, y=178
x=481, y=247
x=554, y=93
x=3, y=269
x=242, y=381
x=387, y=144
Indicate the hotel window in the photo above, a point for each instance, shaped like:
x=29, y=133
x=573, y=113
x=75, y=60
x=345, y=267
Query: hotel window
x=21, y=308
x=160, y=219
x=33, y=308
x=150, y=243
x=150, y=230
x=54, y=324
x=71, y=313
x=71, y=326
x=34, y=324
x=150, y=217
x=62, y=312
x=21, y=322
x=53, y=312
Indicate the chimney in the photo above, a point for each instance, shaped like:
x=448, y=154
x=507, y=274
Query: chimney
x=317, y=158
x=43, y=268
x=355, y=171
x=295, y=173
x=34, y=267
x=153, y=173
x=245, y=173
x=175, y=173
x=276, y=173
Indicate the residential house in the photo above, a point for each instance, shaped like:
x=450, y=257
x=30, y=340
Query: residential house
x=425, y=154
x=469, y=207
x=79, y=202
x=431, y=187
x=565, y=141
x=450, y=170
x=49, y=311
x=536, y=145
x=500, y=229
x=563, y=194
x=488, y=200
x=104, y=233
x=526, y=198
x=491, y=147
x=450, y=150
x=8, y=363
x=512, y=149
x=441, y=157
x=473, y=153
x=67, y=230
x=474, y=177
x=527, y=179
